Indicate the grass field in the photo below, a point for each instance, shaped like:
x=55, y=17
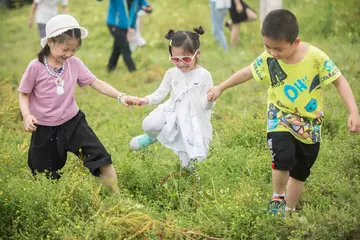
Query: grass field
x=230, y=200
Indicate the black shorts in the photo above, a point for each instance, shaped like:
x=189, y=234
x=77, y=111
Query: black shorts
x=238, y=17
x=49, y=146
x=289, y=154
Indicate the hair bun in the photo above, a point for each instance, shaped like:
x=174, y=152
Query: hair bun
x=170, y=34
x=199, y=30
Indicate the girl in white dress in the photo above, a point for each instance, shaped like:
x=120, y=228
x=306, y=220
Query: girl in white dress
x=182, y=123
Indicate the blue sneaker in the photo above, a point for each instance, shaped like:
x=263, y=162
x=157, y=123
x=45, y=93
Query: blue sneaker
x=141, y=142
x=277, y=206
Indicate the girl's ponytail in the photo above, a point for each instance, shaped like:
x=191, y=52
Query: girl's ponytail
x=199, y=31
x=45, y=51
x=187, y=40
x=170, y=34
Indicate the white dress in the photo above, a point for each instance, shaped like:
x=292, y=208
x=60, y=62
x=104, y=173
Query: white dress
x=187, y=111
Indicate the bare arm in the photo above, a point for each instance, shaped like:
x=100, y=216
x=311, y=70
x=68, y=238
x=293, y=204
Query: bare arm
x=347, y=96
x=239, y=77
x=105, y=88
x=24, y=103
x=108, y=90
x=32, y=13
x=29, y=119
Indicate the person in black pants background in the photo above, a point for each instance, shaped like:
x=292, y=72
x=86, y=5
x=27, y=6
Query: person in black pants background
x=239, y=12
x=121, y=46
x=121, y=21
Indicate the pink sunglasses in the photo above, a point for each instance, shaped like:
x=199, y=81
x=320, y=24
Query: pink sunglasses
x=185, y=59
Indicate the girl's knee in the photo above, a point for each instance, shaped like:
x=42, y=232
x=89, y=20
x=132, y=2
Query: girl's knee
x=151, y=124
x=147, y=125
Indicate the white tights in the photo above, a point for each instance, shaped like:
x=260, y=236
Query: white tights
x=153, y=124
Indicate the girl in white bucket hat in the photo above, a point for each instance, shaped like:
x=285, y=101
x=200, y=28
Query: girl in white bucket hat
x=49, y=109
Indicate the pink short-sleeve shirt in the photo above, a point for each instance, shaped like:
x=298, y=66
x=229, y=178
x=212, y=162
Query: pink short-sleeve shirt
x=49, y=108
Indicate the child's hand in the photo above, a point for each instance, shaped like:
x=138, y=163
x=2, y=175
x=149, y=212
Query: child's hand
x=354, y=122
x=139, y=101
x=136, y=101
x=214, y=93
x=148, y=9
x=210, y=96
x=130, y=34
x=127, y=100
x=29, y=123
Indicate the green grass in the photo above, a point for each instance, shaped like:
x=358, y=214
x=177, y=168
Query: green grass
x=231, y=199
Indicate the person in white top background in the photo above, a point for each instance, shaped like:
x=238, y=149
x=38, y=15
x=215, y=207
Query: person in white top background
x=135, y=37
x=182, y=123
x=267, y=6
x=44, y=10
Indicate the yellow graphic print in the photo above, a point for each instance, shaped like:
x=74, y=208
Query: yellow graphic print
x=294, y=95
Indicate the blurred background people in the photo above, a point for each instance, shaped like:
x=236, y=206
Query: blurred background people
x=44, y=10
x=219, y=9
x=267, y=6
x=121, y=21
x=135, y=38
x=239, y=12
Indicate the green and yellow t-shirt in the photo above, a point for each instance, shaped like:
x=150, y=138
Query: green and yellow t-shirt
x=294, y=97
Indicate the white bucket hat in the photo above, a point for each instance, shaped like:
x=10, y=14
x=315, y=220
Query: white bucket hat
x=60, y=24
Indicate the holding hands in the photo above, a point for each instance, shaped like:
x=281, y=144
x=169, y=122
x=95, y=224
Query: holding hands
x=127, y=100
x=214, y=93
x=108, y=90
x=132, y=100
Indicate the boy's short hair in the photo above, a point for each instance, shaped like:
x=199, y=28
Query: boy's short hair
x=280, y=24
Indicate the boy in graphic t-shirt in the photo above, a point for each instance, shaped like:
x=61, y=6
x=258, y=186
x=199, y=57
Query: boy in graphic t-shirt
x=296, y=72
